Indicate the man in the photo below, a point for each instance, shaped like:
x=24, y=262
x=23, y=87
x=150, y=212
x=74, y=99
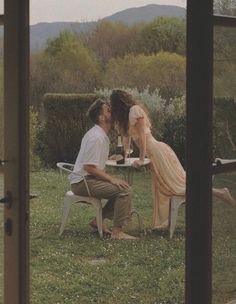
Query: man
x=90, y=163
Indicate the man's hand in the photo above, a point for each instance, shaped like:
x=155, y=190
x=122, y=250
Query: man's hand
x=112, y=157
x=122, y=184
x=94, y=171
x=116, y=157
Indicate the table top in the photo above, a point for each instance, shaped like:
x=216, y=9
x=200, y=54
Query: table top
x=128, y=162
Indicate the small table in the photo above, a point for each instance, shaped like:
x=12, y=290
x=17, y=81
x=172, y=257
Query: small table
x=127, y=168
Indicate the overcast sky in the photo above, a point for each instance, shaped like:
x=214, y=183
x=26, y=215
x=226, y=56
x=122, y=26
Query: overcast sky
x=85, y=10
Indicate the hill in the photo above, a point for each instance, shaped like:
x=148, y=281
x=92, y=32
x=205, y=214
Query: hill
x=41, y=32
x=147, y=13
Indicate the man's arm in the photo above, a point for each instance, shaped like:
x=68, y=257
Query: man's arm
x=96, y=172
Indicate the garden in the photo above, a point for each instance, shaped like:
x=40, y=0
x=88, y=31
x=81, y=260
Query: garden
x=78, y=266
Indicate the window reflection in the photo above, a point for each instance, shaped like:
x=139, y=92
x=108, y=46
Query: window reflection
x=225, y=7
x=1, y=156
x=1, y=7
x=224, y=146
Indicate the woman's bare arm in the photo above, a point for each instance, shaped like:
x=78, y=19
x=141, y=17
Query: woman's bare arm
x=141, y=142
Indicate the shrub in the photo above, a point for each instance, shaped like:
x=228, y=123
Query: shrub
x=165, y=71
x=224, y=128
x=64, y=126
x=167, y=118
x=35, y=162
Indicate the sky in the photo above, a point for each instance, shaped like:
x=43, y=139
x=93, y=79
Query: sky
x=85, y=10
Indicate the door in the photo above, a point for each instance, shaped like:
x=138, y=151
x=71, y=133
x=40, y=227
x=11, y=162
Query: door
x=14, y=164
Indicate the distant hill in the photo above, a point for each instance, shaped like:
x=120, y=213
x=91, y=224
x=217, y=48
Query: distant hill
x=41, y=32
x=147, y=13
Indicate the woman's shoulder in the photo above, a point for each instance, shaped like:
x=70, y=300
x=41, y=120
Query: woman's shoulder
x=136, y=109
x=135, y=113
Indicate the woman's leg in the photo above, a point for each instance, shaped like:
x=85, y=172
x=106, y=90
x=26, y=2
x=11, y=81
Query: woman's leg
x=225, y=195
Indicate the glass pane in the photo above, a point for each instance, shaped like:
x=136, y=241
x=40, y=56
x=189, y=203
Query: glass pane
x=224, y=139
x=154, y=271
x=1, y=7
x=1, y=173
x=225, y=7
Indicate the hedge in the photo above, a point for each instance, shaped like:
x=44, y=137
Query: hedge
x=65, y=123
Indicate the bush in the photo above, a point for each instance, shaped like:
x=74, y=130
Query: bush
x=64, y=126
x=35, y=162
x=165, y=71
x=224, y=128
x=167, y=118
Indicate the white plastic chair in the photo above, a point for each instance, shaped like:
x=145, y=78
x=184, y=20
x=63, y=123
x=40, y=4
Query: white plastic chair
x=70, y=198
x=177, y=201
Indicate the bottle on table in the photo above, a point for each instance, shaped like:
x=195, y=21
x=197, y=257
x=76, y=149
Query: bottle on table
x=120, y=151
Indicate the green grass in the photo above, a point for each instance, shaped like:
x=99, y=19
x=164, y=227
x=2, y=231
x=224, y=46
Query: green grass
x=79, y=267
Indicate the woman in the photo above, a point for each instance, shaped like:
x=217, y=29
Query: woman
x=168, y=175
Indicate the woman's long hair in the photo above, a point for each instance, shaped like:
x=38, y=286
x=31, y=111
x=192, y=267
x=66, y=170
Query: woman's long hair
x=121, y=102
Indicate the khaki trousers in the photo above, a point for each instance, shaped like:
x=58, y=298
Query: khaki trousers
x=118, y=206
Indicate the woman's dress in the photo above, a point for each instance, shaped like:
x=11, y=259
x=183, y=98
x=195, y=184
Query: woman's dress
x=168, y=175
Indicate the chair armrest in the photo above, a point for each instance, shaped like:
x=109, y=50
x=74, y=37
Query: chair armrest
x=86, y=185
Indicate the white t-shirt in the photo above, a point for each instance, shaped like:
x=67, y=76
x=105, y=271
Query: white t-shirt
x=94, y=150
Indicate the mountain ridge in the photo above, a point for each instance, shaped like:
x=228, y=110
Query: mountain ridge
x=41, y=32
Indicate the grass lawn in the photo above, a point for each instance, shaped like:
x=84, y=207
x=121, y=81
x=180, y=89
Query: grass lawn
x=78, y=267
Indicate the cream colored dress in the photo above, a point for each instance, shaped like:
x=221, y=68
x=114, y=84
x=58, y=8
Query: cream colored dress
x=168, y=175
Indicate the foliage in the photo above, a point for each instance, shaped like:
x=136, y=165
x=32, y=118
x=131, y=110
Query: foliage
x=225, y=7
x=167, y=118
x=65, y=66
x=164, y=71
x=65, y=124
x=224, y=130
x=166, y=34
x=225, y=62
x=109, y=40
x=114, y=54
x=35, y=163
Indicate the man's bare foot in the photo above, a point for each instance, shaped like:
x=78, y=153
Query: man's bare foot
x=227, y=197
x=94, y=226
x=118, y=234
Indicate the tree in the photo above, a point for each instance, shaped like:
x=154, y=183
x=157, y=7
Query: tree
x=225, y=7
x=163, y=34
x=109, y=40
x=163, y=71
x=65, y=66
x=224, y=61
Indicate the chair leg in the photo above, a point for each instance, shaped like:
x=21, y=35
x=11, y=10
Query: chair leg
x=66, y=210
x=140, y=223
x=99, y=219
x=175, y=203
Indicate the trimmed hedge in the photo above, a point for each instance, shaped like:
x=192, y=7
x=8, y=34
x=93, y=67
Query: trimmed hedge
x=64, y=126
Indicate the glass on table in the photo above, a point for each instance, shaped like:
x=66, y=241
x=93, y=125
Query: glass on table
x=129, y=149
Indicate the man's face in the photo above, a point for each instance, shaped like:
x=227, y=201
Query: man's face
x=106, y=112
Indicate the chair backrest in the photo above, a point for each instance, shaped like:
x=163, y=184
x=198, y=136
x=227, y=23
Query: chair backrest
x=66, y=167
x=69, y=168
x=220, y=161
